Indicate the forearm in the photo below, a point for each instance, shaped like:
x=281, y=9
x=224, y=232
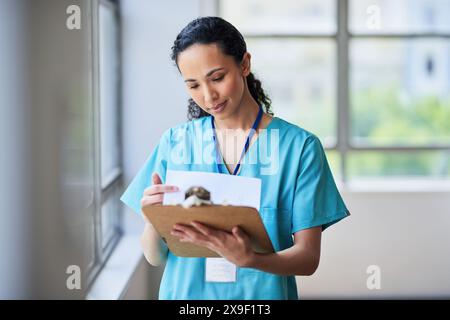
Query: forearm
x=296, y=260
x=154, y=248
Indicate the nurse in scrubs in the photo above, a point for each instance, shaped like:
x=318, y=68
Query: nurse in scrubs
x=230, y=111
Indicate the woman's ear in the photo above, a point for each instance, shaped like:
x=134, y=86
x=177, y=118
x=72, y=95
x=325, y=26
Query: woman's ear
x=245, y=64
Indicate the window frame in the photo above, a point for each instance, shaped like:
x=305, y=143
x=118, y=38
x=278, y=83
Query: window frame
x=343, y=37
x=103, y=190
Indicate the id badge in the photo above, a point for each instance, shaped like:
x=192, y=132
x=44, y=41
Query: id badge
x=220, y=270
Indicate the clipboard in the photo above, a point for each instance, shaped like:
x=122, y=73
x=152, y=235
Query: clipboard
x=163, y=217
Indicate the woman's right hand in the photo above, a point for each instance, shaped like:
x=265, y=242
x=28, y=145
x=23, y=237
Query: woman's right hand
x=154, y=194
x=154, y=249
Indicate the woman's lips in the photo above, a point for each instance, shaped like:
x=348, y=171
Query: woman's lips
x=219, y=107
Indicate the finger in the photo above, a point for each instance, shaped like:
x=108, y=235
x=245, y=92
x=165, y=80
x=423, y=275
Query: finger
x=216, y=236
x=177, y=233
x=160, y=188
x=182, y=227
x=239, y=234
x=190, y=232
x=182, y=237
x=153, y=199
x=156, y=179
x=207, y=231
x=197, y=240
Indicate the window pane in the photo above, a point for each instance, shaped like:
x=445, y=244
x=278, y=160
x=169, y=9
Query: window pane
x=334, y=160
x=300, y=80
x=108, y=56
x=77, y=167
x=400, y=92
x=110, y=216
x=282, y=16
x=399, y=164
x=399, y=16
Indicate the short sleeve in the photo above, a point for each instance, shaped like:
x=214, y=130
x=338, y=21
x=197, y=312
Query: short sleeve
x=156, y=162
x=317, y=200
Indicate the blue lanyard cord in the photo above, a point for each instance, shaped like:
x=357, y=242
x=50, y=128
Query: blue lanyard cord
x=247, y=143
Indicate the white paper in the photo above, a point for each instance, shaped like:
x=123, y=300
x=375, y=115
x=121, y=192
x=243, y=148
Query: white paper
x=220, y=270
x=233, y=190
x=224, y=188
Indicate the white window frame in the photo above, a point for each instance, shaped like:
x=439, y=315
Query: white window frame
x=114, y=182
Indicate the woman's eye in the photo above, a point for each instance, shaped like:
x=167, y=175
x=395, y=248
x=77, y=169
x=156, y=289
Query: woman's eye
x=215, y=80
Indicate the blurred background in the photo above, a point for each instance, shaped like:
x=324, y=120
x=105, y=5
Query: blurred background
x=87, y=88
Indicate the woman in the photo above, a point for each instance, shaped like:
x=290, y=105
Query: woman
x=299, y=198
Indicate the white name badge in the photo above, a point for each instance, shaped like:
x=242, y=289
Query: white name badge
x=220, y=270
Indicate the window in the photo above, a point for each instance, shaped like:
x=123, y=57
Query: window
x=106, y=229
x=399, y=89
x=370, y=78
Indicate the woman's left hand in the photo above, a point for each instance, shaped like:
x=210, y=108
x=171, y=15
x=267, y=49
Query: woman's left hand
x=234, y=246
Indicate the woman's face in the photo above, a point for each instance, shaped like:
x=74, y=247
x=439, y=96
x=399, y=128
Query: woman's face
x=214, y=80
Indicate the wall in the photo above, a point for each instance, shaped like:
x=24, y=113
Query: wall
x=404, y=233
x=46, y=78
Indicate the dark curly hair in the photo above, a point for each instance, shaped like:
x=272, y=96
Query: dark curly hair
x=207, y=30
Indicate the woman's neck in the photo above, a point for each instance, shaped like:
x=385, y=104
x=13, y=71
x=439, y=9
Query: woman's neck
x=243, y=118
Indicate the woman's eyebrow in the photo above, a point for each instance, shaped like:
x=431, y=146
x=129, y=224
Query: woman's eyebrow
x=207, y=75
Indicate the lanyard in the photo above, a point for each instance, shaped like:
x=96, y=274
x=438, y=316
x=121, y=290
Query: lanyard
x=247, y=143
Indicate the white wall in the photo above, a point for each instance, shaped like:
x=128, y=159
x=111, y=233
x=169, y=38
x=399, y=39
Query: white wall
x=406, y=234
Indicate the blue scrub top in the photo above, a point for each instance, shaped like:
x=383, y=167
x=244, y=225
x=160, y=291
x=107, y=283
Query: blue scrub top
x=297, y=192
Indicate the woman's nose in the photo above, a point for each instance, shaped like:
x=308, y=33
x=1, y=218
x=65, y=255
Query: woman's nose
x=210, y=96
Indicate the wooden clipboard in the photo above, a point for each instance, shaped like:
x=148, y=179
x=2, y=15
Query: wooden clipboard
x=220, y=217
